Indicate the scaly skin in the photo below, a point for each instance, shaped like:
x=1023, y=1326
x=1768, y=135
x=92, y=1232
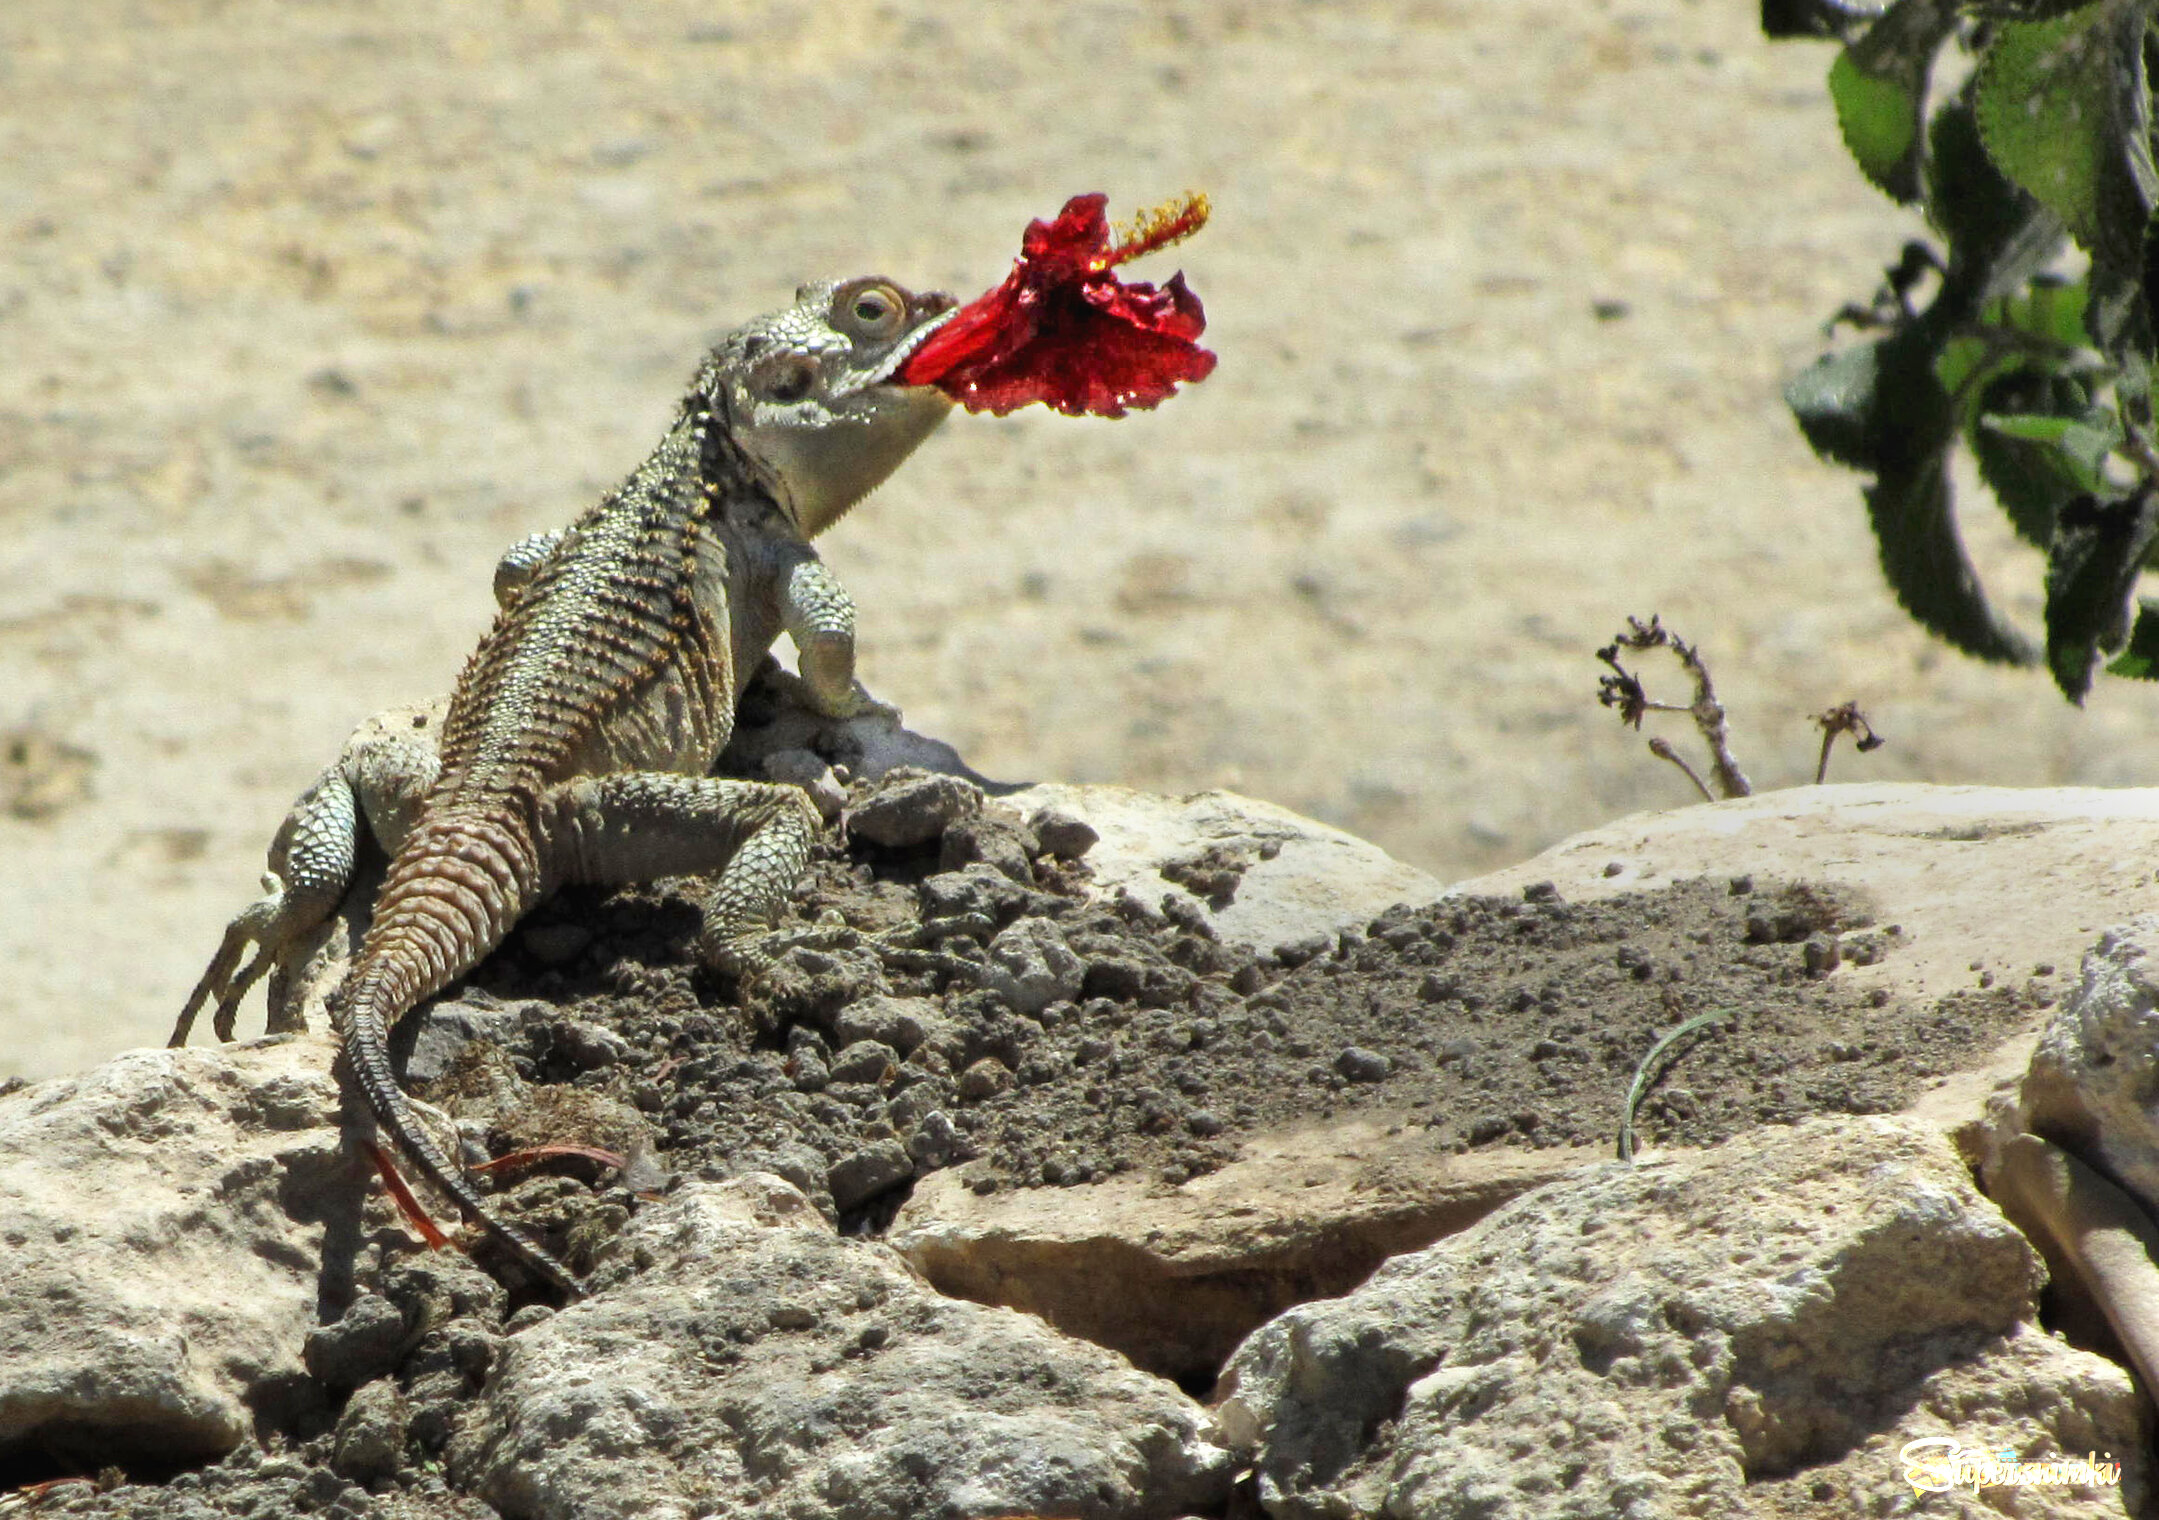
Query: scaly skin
x=577, y=741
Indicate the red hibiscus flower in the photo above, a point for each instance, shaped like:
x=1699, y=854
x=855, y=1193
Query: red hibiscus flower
x=1065, y=331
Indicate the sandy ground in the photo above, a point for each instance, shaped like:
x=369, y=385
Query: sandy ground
x=307, y=310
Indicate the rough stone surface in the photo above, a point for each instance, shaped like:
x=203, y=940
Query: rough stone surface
x=911, y=807
x=1296, y=878
x=163, y=1246
x=742, y=1359
x=1982, y=880
x=1712, y=1334
x=1175, y=1276
x=2093, y=1084
x=1031, y=966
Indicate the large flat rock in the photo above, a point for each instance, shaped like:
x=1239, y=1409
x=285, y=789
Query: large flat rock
x=1761, y=1329
x=1983, y=880
x=1175, y=1276
x=163, y=1233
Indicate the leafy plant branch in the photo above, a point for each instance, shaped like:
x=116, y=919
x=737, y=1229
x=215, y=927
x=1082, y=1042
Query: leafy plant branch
x=2026, y=337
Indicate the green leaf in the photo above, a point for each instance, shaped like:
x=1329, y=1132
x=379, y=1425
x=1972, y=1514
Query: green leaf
x=2139, y=658
x=2099, y=548
x=1879, y=87
x=1923, y=558
x=1998, y=236
x=1835, y=399
x=1876, y=406
x=2076, y=448
x=2051, y=311
x=2058, y=104
x=2031, y=478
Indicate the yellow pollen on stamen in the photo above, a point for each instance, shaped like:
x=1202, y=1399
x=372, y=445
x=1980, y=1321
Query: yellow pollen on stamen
x=1166, y=225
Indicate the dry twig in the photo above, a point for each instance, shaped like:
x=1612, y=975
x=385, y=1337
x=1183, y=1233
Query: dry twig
x=1844, y=719
x=1624, y=691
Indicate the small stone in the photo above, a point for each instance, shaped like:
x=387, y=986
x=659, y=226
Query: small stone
x=1031, y=966
x=1361, y=1065
x=444, y=1032
x=370, y=1439
x=1541, y=892
x=859, y=1177
x=1062, y=834
x=591, y=1046
x=1297, y=951
x=900, y=1022
x=910, y=807
x=936, y=1141
x=870, y=1061
x=994, y=842
x=361, y=1345
x=986, y=1078
x=1822, y=954
x=1204, y=1122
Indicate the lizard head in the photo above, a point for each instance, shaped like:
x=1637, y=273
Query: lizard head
x=810, y=395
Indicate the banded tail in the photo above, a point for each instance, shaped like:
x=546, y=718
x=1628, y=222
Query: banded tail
x=458, y=882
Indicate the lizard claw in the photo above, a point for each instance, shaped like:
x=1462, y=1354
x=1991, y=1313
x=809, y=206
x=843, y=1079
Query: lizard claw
x=855, y=702
x=271, y=925
x=227, y=980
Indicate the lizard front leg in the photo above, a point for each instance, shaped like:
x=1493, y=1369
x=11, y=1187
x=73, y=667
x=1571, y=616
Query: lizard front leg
x=632, y=827
x=521, y=562
x=819, y=616
x=374, y=786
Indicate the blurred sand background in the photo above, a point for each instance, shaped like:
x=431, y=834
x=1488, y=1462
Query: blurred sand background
x=308, y=309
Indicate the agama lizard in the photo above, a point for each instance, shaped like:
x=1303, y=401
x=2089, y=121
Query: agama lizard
x=577, y=741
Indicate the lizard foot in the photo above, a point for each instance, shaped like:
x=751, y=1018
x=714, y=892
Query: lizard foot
x=274, y=922
x=855, y=702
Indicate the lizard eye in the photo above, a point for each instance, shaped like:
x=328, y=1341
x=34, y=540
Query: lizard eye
x=870, y=310
x=784, y=378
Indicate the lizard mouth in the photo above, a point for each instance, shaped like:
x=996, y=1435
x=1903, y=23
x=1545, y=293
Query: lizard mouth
x=945, y=308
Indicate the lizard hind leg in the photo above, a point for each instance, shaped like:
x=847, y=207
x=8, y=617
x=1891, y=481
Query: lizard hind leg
x=311, y=863
x=635, y=826
x=373, y=788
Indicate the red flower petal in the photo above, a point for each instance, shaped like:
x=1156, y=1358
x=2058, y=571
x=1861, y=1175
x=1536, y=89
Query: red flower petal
x=1065, y=331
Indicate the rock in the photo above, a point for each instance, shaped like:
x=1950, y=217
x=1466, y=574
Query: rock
x=163, y=1246
x=910, y=807
x=998, y=842
x=900, y=1022
x=862, y=1174
x=1360, y=1065
x=370, y=1435
x=591, y=1046
x=1175, y=1277
x=359, y=1346
x=865, y=1061
x=1030, y=966
x=443, y=1031
x=2010, y=877
x=741, y=1359
x=1303, y=879
x=1062, y=834
x=1692, y=1336
x=985, y=1078
x=2095, y=1070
